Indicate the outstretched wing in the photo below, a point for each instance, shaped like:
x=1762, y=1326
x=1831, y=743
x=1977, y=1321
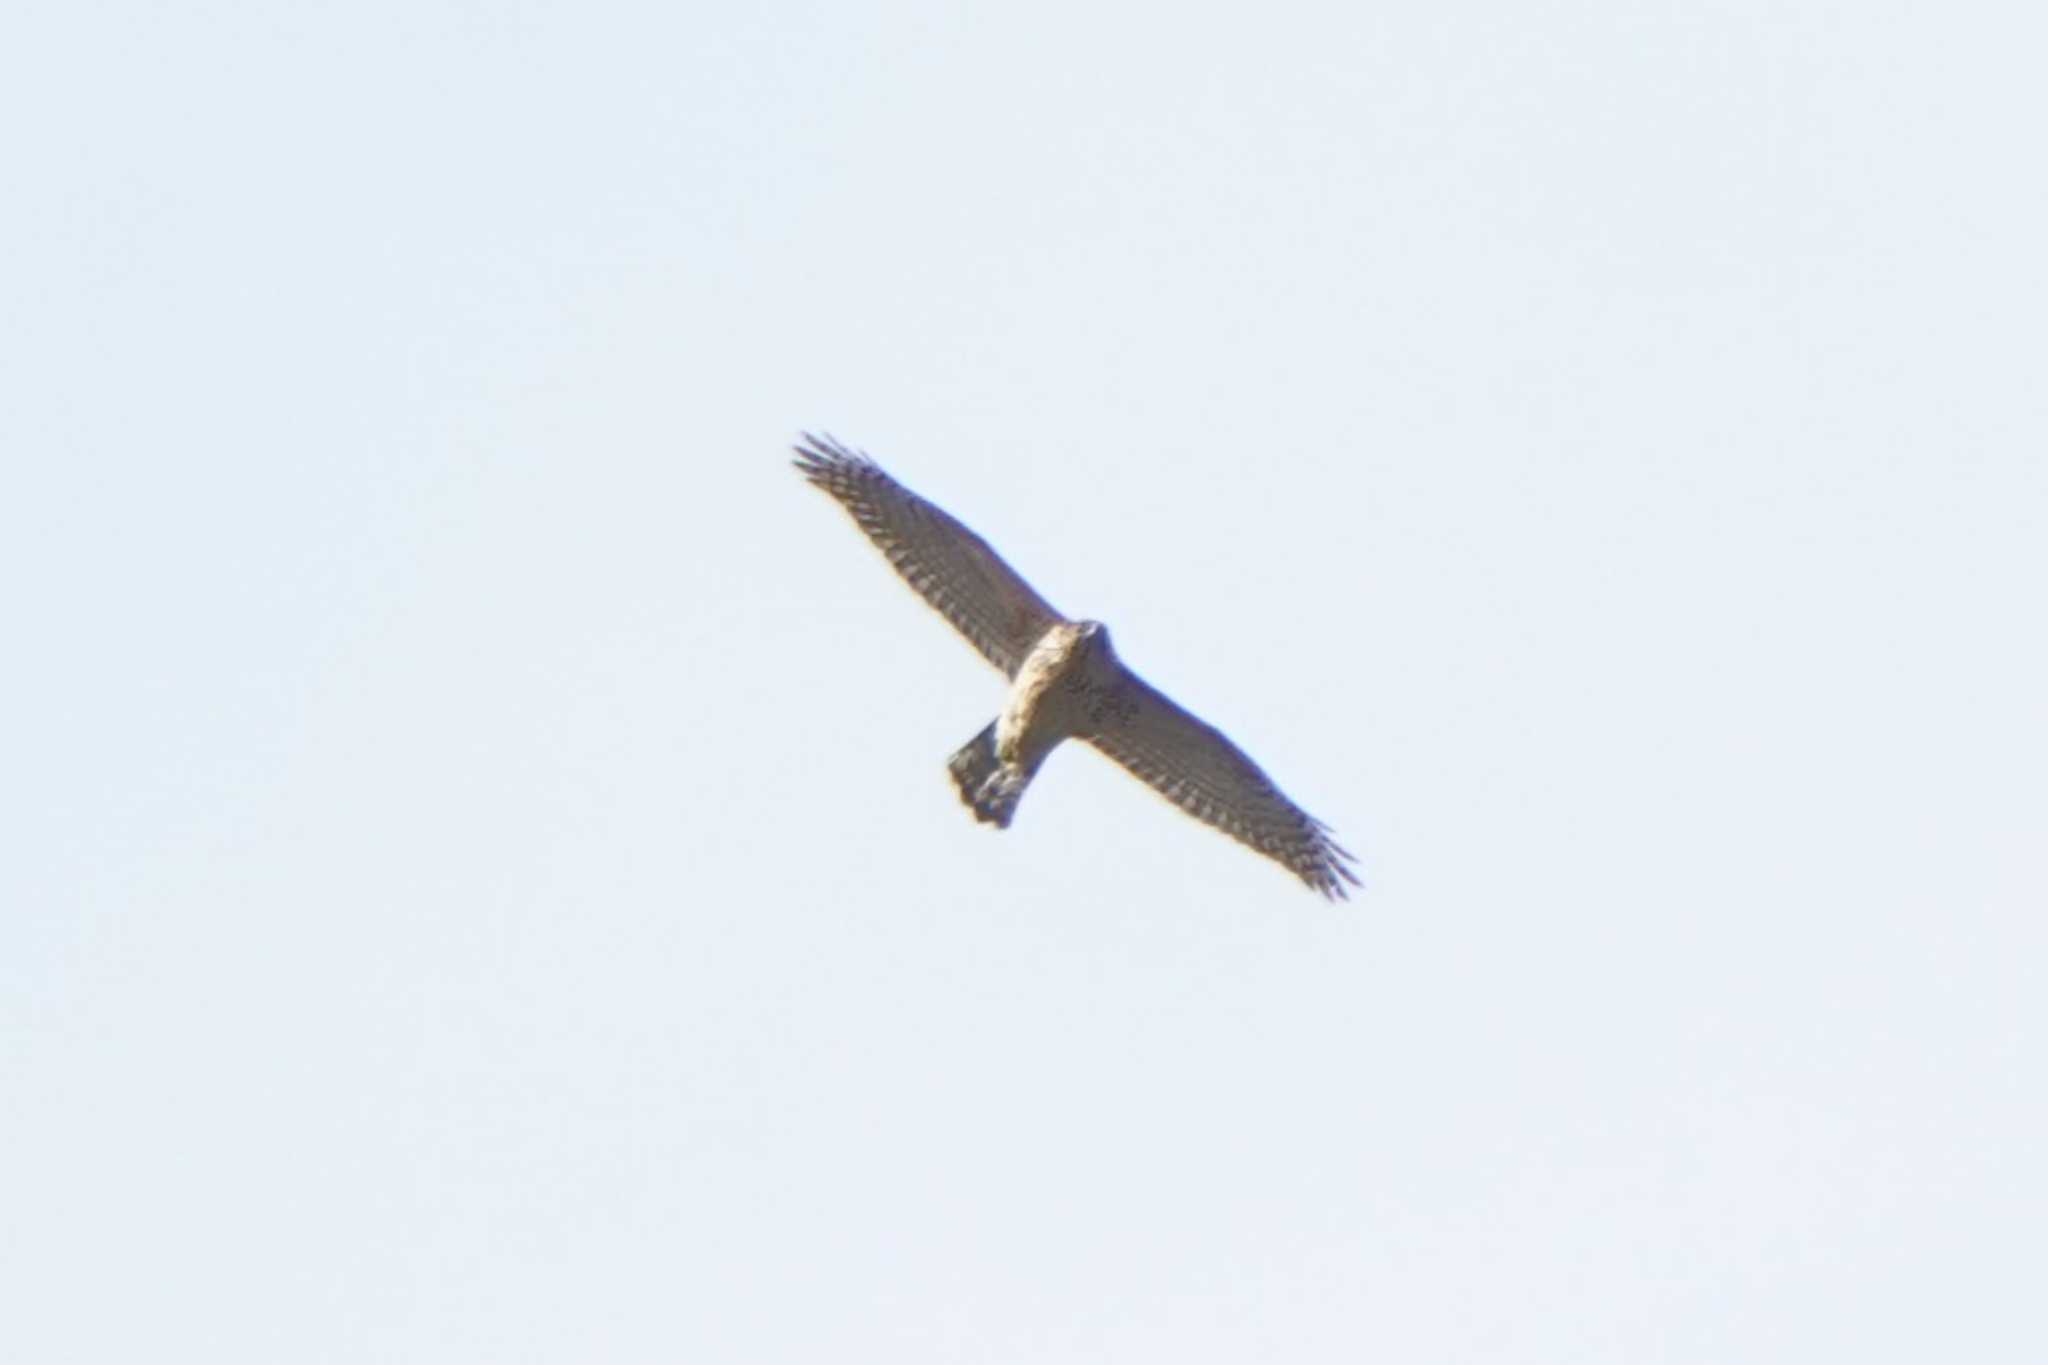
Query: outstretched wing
x=950, y=566
x=1194, y=765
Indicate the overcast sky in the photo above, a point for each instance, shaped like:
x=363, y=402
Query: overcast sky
x=481, y=882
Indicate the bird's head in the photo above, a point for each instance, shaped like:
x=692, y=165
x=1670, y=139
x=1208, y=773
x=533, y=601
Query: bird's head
x=1095, y=637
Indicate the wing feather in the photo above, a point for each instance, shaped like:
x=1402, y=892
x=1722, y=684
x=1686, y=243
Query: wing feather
x=951, y=567
x=1194, y=765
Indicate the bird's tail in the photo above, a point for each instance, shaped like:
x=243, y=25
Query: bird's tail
x=989, y=786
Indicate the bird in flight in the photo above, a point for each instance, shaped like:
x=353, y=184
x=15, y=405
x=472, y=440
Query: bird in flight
x=1065, y=683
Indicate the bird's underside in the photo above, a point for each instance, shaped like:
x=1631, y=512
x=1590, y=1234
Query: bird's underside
x=1066, y=683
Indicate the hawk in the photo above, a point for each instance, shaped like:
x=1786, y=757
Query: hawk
x=1065, y=682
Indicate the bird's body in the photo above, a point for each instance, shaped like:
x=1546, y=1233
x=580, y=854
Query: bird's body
x=1060, y=691
x=1049, y=698
x=1066, y=683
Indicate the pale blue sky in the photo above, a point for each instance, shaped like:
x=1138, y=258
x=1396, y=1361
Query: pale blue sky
x=481, y=881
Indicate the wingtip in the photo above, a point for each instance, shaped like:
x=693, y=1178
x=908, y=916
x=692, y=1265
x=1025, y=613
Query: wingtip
x=1334, y=868
x=825, y=446
x=810, y=450
x=821, y=456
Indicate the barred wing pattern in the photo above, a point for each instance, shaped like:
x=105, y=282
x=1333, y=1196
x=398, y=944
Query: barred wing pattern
x=951, y=567
x=1194, y=765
